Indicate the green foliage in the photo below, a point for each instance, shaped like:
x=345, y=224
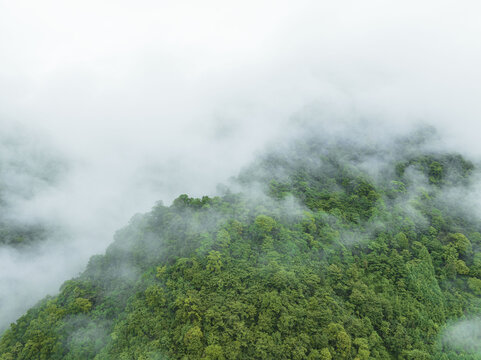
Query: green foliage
x=366, y=270
x=474, y=285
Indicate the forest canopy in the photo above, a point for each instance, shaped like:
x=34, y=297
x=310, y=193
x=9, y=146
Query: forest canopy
x=324, y=249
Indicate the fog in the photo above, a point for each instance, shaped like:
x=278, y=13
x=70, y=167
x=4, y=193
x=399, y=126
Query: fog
x=464, y=336
x=146, y=100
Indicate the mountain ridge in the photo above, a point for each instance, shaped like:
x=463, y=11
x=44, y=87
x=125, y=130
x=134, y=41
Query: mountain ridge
x=328, y=249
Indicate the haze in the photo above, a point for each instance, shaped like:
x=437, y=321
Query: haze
x=147, y=100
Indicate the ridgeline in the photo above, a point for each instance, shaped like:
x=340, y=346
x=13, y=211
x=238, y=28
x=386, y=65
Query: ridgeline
x=324, y=250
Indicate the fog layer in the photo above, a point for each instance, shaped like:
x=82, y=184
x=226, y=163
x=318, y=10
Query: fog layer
x=148, y=100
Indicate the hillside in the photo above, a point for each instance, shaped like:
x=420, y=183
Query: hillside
x=321, y=249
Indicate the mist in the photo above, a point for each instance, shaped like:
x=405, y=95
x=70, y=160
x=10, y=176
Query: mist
x=148, y=100
x=464, y=336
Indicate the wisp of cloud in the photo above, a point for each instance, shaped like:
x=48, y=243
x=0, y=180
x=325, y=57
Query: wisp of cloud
x=148, y=100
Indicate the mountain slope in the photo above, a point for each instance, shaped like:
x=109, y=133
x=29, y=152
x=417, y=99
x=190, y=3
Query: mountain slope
x=328, y=249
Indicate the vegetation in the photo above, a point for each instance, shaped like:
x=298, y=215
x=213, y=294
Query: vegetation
x=325, y=259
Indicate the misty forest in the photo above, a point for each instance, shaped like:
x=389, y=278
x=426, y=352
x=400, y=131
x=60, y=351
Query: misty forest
x=238, y=180
x=323, y=248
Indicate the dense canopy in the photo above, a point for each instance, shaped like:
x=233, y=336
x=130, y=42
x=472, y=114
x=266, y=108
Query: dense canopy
x=321, y=250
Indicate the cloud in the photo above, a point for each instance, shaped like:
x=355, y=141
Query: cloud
x=151, y=99
x=464, y=336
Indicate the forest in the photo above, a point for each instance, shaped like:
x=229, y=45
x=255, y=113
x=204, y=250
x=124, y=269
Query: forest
x=323, y=248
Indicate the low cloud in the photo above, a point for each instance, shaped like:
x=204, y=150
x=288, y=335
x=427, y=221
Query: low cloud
x=463, y=336
x=149, y=100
